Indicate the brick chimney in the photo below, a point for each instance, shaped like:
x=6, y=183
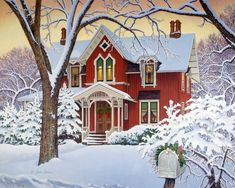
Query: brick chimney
x=63, y=36
x=175, y=29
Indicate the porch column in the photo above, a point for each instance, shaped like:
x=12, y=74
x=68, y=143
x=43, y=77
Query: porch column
x=82, y=116
x=88, y=115
x=118, y=116
x=122, y=109
x=112, y=114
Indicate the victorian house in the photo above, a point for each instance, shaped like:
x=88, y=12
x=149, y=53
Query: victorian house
x=124, y=82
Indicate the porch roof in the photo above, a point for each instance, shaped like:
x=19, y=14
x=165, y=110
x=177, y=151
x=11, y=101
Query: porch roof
x=102, y=87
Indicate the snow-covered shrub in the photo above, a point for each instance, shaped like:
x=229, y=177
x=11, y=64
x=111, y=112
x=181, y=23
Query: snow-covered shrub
x=24, y=126
x=68, y=117
x=133, y=136
x=9, y=132
x=207, y=135
x=208, y=126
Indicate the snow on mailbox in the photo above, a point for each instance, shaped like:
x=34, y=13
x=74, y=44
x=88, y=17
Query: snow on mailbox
x=168, y=164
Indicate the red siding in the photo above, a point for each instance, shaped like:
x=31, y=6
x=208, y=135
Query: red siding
x=169, y=85
x=120, y=65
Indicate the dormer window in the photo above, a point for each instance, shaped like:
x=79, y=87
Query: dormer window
x=148, y=72
x=104, y=45
x=100, y=68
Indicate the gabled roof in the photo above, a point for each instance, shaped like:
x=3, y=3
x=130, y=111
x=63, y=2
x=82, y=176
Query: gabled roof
x=174, y=54
x=103, y=87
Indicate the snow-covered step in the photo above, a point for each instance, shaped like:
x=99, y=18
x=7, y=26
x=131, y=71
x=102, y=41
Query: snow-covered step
x=95, y=139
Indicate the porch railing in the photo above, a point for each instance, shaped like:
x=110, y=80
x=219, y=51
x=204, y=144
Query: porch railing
x=108, y=133
x=85, y=133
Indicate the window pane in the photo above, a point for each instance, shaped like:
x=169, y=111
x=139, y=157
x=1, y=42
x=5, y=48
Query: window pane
x=100, y=65
x=149, y=74
x=153, y=112
x=74, y=76
x=109, y=69
x=144, y=112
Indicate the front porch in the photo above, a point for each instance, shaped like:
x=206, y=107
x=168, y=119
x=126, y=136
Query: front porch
x=101, y=110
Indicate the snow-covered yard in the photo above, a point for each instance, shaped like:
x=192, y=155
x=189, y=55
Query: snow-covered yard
x=79, y=166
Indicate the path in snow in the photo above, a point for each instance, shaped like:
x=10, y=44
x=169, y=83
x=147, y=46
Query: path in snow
x=78, y=166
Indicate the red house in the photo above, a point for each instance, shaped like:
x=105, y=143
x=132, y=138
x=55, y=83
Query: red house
x=123, y=82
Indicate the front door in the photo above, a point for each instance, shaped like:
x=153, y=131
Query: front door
x=103, y=116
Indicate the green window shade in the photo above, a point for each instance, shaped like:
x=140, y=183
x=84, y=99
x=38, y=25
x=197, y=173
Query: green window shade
x=100, y=66
x=153, y=112
x=144, y=112
x=109, y=69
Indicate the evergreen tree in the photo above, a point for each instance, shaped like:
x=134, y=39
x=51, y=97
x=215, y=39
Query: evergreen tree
x=69, y=122
x=9, y=125
x=31, y=120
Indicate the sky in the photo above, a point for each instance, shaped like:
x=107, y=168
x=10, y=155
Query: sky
x=11, y=33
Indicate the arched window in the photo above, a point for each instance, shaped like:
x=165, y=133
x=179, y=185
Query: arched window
x=109, y=69
x=149, y=73
x=100, y=68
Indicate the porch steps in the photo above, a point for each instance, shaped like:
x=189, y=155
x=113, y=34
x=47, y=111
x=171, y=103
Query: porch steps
x=95, y=139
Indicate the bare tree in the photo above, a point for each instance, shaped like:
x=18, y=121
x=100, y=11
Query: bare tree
x=78, y=14
x=19, y=75
x=216, y=171
x=216, y=63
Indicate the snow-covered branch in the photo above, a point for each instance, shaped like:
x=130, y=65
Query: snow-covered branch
x=19, y=75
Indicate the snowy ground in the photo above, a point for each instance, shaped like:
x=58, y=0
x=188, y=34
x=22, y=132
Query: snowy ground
x=108, y=166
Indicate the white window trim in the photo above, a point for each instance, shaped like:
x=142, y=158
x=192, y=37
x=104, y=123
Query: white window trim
x=101, y=45
x=70, y=75
x=182, y=81
x=187, y=84
x=104, y=68
x=126, y=111
x=154, y=74
x=182, y=108
x=140, y=101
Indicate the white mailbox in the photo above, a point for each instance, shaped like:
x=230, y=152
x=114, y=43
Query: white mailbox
x=168, y=164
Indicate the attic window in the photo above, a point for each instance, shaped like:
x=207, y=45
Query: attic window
x=148, y=71
x=104, y=45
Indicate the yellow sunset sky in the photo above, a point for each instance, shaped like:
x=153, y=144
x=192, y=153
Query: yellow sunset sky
x=11, y=33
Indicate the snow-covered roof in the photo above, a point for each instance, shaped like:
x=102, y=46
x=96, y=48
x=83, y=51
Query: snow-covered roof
x=174, y=54
x=30, y=97
x=57, y=49
x=103, y=87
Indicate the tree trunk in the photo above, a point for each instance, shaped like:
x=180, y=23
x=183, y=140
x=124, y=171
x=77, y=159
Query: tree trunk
x=49, y=140
x=213, y=184
x=169, y=183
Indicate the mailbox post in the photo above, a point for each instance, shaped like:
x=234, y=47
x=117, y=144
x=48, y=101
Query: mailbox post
x=169, y=167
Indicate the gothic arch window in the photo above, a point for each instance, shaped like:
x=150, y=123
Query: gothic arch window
x=109, y=69
x=100, y=69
